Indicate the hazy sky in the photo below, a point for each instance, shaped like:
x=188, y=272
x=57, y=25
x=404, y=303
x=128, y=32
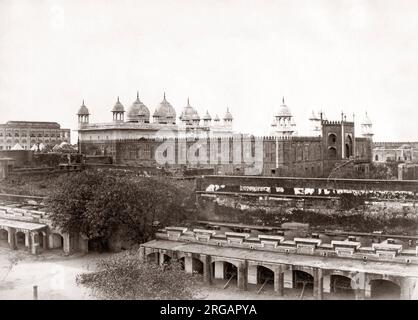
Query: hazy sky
x=335, y=55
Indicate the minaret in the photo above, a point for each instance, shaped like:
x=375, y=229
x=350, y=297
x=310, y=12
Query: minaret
x=118, y=112
x=207, y=119
x=367, y=128
x=316, y=123
x=195, y=115
x=83, y=115
x=228, y=119
x=283, y=124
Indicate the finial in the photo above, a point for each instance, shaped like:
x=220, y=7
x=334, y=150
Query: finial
x=83, y=105
x=137, y=94
x=118, y=99
x=283, y=100
x=188, y=103
x=164, y=95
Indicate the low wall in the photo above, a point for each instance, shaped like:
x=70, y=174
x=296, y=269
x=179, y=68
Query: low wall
x=314, y=183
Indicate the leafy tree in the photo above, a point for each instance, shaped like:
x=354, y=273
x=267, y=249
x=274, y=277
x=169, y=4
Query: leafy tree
x=123, y=276
x=100, y=204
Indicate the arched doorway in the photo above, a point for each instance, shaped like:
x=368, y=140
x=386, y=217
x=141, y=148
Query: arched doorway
x=230, y=270
x=226, y=272
x=264, y=275
x=152, y=258
x=349, y=147
x=197, y=266
x=332, y=153
x=20, y=240
x=347, y=150
x=303, y=280
x=341, y=286
x=384, y=289
x=167, y=258
x=56, y=241
x=4, y=238
x=41, y=240
x=265, y=278
x=182, y=263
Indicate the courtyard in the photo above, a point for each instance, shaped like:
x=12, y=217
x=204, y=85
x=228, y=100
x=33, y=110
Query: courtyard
x=55, y=275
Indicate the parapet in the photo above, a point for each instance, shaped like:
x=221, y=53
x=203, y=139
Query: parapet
x=348, y=248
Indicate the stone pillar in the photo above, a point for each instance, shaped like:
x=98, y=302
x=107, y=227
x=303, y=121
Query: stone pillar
x=367, y=287
x=242, y=276
x=288, y=279
x=207, y=268
x=360, y=294
x=12, y=238
x=34, y=248
x=50, y=241
x=252, y=274
x=219, y=270
x=27, y=240
x=327, y=283
x=406, y=289
x=142, y=257
x=188, y=264
x=83, y=244
x=161, y=256
x=66, y=245
x=279, y=281
x=44, y=241
x=318, y=284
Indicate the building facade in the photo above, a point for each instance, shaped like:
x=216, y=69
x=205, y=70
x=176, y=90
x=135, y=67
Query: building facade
x=25, y=135
x=200, y=142
x=395, y=152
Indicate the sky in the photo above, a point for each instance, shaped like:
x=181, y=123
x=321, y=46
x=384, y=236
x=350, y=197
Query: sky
x=330, y=55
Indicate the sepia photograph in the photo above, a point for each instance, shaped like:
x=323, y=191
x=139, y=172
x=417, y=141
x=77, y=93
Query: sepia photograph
x=208, y=155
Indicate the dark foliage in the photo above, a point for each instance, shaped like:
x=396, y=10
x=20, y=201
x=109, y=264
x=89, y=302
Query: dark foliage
x=123, y=276
x=99, y=203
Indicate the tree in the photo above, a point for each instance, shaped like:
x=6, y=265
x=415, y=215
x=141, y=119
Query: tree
x=123, y=276
x=100, y=204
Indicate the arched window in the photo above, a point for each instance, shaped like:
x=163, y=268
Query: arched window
x=332, y=153
x=349, y=147
x=332, y=138
x=376, y=158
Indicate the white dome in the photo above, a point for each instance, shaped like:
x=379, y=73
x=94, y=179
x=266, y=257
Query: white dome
x=283, y=110
x=165, y=111
x=138, y=111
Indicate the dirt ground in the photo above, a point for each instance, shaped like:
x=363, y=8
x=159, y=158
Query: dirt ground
x=52, y=272
x=55, y=275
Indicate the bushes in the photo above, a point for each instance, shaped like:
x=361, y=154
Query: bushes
x=123, y=276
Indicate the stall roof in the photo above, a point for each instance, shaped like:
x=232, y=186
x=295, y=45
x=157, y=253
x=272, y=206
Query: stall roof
x=21, y=224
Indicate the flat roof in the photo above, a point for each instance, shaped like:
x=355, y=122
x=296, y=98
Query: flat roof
x=21, y=224
x=344, y=264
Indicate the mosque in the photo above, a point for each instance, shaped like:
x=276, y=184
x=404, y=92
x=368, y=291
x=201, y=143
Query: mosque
x=133, y=140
